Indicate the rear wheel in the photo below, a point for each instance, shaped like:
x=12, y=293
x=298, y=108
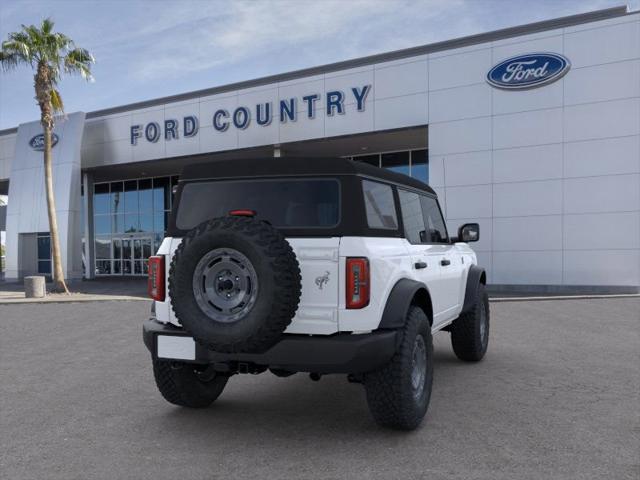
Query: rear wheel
x=398, y=394
x=470, y=331
x=185, y=385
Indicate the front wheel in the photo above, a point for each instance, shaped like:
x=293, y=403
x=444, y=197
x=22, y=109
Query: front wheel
x=183, y=384
x=470, y=331
x=398, y=394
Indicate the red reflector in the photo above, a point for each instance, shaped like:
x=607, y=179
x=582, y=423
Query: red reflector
x=242, y=213
x=155, y=284
x=358, y=282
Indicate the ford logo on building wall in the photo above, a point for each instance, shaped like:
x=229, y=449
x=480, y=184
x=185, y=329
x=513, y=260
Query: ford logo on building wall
x=528, y=71
x=37, y=142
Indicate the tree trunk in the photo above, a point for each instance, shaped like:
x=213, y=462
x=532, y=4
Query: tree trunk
x=43, y=85
x=59, y=284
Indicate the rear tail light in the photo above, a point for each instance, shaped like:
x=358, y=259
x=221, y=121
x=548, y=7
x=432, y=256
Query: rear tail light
x=358, y=282
x=155, y=283
x=242, y=212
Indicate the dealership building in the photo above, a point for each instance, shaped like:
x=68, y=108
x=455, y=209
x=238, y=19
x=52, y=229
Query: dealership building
x=531, y=131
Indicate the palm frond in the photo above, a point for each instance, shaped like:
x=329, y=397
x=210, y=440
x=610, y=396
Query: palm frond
x=9, y=61
x=47, y=26
x=51, y=53
x=79, y=61
x=56, y=101
x=19, y=46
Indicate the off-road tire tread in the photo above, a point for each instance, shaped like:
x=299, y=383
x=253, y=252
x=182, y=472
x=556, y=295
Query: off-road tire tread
x=465, y=337
x=390, y=401
x=181, y=386
x=283, y=260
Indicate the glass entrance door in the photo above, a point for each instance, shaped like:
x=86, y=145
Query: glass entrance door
x=130, y=255
x=141, y=253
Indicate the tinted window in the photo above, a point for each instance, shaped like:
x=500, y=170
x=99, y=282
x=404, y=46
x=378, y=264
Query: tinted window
x=437, y=231
x=284, y=203
x=412, y=217
x=379, y=204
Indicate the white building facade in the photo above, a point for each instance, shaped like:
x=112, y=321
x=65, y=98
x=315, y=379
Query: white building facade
x=544, y=156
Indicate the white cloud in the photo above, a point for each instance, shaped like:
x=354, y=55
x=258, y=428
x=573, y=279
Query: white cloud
x=147, y=49
x=185, y=39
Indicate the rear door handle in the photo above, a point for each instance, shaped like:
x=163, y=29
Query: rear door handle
x=419, y=265
x=445, y=262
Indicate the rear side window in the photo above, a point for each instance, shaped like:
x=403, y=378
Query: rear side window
x=412, y=218
x=285, y=203
x=437, y=231
x=379, y=205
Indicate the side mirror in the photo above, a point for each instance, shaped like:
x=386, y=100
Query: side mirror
x=469, y=232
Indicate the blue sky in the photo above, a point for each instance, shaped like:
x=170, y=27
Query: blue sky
x=149, y=49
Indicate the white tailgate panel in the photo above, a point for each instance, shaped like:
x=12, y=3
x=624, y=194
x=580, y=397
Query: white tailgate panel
x=164, y=312
x=319, y=260
x=317, y=312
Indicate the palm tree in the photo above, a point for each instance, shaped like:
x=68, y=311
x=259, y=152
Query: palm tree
x=2, y=204
x=49, y=54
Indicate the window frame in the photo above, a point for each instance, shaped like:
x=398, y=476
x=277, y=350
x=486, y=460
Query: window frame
x=395, y=201
x=444, y=222
x=404, y=230
x=433, y=197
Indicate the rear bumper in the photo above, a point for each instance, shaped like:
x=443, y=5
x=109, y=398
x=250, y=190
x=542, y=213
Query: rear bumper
x=340, y=353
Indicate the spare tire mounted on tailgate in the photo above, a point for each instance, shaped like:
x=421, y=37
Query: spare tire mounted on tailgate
x=235, y=284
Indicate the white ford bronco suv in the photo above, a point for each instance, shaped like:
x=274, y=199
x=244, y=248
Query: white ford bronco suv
x=311, y=265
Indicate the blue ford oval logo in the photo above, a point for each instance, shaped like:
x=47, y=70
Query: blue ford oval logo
x=528, y=71
x=37, y=142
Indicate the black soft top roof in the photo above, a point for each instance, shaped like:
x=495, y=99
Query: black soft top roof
x=292, y=166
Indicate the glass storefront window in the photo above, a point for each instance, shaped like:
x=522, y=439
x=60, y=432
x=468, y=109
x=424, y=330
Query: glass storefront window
x=117, y=223
x=414, y=163
x=103, y=247
x=131, y=223
x=44, y=266
x=161, y=194
x=101, y=198
x=146, y=222
x=370, y=159
x=159, y=224
x=145, y=194
x=103, y=267
x=130, y=218
x=420, y=165
x=44, y=253
x=157, y=241
x=396, y=162
x=116, y=198
x=117, y=248
x=131, y=203
x=44, y=246
x=102, y=224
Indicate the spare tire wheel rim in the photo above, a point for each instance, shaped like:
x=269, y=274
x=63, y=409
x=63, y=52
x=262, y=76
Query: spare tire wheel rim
x=225, y=285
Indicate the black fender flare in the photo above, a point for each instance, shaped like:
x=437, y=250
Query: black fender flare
x=399, y=301
x=475, y=277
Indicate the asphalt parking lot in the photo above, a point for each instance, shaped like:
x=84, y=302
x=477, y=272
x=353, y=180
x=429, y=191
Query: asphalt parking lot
x=558, y=396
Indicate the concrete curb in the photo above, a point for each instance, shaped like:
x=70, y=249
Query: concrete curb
x=561, y=297
x=72, y=299
x=114, y=298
